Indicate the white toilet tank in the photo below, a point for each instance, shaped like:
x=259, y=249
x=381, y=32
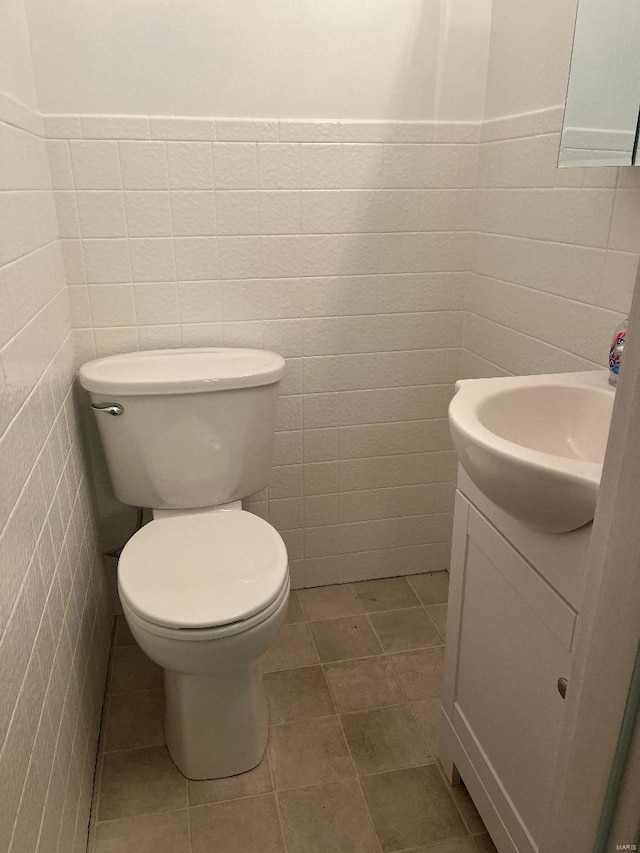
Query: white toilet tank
x=186, y=428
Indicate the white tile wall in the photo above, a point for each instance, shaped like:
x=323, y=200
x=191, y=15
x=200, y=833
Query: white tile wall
x=551, y=257
x=54, y=619
x=338, y=254
x=384, y=260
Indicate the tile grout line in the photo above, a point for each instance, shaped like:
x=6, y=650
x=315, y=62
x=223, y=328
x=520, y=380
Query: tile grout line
x=397, y=680
x=97, y=782
x=189, y=840
x=428, y=743
x=407, y=701
x=113, y=820
x=386, y=656
x=275, y=794
x=436, y=760
x=344, y=737
x=360, y=788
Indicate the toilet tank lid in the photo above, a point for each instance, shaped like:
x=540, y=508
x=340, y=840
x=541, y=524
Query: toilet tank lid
x=181, y=371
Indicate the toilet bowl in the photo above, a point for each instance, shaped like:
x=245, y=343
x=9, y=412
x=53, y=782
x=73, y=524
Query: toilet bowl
x=204, y=586
x=204, y=595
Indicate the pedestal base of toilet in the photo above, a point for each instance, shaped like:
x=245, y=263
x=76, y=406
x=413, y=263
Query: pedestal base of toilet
x=216, y=725
x=216, y=713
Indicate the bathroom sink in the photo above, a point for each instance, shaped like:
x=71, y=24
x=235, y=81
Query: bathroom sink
x=535, y=444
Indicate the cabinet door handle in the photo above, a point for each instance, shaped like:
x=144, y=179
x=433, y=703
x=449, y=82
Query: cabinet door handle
x=562, y=687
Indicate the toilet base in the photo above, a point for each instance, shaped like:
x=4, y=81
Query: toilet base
x=216, y=725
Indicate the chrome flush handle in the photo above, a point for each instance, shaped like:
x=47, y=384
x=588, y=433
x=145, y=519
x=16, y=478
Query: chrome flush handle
x=114, y=409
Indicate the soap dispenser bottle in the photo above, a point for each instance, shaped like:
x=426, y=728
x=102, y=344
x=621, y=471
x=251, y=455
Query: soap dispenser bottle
x=617, y=351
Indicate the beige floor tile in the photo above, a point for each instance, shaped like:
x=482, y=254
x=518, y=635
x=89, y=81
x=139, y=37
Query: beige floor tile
x=386, y=594
x=239, y=826
x=402, y=630
x=432, y=588
x=309, y=752
x=292, y=648
x=327, y=818
x=138, y=782
x=360, y=684
x=484, y=844
x=411, y=808
x=141, y=798
x=123, y=635
x=467, y=809
x=329, y=602
x=456, y=845
x=133, y=720
x=249, y=784
x=438, y=612
x=131, y=670
x=428, y=713
x=420, y=672
x=298, y=694
x=295, y=612
x=385, y=739
x=344, y=639
x=157, y=833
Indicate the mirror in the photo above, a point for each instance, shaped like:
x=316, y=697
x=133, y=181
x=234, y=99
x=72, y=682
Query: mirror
x=603, y=98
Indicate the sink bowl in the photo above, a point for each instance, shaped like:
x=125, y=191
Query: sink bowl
x=535, y=444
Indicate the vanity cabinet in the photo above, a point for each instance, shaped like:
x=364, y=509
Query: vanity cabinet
x=509, y=639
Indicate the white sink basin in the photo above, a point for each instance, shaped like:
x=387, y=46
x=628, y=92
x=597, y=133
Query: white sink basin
x=535, y=444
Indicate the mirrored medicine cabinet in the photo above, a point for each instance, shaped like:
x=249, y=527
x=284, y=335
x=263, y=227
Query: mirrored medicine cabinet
x=603, y=97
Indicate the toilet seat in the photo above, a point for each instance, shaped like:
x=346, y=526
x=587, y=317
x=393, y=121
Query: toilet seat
x=205, y=570
x=207, y=635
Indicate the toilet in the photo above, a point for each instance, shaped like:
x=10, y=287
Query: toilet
x=204, y=586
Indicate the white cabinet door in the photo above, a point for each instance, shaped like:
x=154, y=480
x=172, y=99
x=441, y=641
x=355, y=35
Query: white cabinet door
x=508, y=646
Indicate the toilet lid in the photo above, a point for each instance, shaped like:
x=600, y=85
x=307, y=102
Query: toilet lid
x=202, y=570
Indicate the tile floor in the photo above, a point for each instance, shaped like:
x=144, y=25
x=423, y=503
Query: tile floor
x=353, y=683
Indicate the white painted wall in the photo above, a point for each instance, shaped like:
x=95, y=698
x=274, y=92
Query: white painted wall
x=356, y=59
x=529, y=55
x=16, y=74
